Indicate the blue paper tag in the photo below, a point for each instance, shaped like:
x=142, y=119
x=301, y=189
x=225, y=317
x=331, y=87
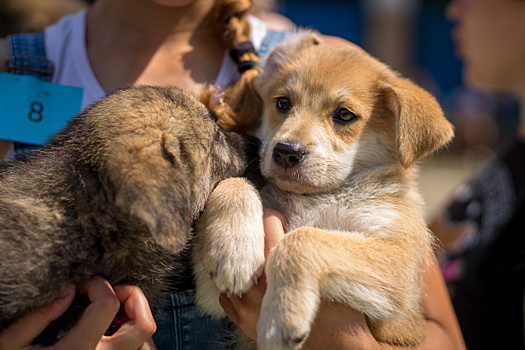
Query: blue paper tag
x=33, y=110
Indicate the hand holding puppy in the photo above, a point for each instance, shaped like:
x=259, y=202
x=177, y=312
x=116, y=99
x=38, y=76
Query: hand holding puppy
x=244, y=311
x=338, y=326
x=88, y=334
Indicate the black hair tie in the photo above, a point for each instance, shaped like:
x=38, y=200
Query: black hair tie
x=237, y=52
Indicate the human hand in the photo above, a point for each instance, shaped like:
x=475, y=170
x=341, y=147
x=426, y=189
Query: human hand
x=135, y=331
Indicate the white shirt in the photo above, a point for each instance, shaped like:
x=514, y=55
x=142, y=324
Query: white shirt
x=65, y=44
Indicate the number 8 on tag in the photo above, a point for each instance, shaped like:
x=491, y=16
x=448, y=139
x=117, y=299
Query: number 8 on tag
x=27, y=99
x=35, y=114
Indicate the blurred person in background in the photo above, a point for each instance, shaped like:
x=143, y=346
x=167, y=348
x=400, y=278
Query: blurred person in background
x=483, y=261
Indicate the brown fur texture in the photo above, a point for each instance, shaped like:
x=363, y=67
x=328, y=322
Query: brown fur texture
x=340, y=132
x=114, y=194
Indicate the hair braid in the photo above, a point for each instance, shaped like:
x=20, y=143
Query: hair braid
x=241, y=96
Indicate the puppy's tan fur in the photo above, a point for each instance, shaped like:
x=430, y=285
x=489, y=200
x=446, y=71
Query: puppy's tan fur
x=356, y=232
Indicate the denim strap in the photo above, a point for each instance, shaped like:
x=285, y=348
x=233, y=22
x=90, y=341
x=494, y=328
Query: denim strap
x=27, y=55
x=270, y=41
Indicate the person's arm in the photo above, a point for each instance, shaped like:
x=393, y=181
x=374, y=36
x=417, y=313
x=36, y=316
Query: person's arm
x=443, y=331
x=135, y=330
x=340, y=327
x=5, y=145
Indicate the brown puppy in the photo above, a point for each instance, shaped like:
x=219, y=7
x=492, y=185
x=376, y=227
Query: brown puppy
x=340, y=132
x=115, y=194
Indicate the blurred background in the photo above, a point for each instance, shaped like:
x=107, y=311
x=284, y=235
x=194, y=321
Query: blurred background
x=412, y=36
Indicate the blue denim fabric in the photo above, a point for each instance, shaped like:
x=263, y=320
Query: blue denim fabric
x=181, y=326
x=270, y=41
x=28, y=55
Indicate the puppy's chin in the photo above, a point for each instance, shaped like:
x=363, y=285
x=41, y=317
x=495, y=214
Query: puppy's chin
x=288, y=185
x=293, y=180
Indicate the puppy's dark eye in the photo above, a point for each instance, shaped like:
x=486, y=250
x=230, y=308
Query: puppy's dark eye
x=283, y=104
x=218, y=137
x=343, y=116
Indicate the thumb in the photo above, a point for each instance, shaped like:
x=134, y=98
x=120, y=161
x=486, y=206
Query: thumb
x=273, y=228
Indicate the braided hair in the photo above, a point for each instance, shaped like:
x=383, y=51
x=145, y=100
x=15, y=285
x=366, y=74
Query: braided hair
x=240, y=104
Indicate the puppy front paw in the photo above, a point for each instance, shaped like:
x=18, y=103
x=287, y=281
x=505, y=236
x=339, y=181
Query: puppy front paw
x=286, y=325
x=230, y=237
x=276, y=336
x=236, y=265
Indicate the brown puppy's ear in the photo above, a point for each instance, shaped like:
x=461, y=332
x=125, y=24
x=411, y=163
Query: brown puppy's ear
x=149, y=183
x=421, y=127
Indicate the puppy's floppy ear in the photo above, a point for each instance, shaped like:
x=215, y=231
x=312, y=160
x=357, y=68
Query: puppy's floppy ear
x=149, y=182
x=420, y=125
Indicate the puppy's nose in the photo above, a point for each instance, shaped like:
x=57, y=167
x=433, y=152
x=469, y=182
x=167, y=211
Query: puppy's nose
x=287, y=155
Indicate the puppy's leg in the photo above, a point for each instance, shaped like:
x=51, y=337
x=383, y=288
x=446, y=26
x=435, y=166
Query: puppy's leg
x=229, y=245
x=378, y=276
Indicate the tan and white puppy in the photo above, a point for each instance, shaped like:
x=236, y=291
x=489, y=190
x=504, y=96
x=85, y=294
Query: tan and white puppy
x=340, y=133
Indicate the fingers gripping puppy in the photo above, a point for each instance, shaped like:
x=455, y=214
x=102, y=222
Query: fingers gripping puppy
x=340, y=132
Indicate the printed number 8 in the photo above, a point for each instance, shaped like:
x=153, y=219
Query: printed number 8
x=35, y=114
